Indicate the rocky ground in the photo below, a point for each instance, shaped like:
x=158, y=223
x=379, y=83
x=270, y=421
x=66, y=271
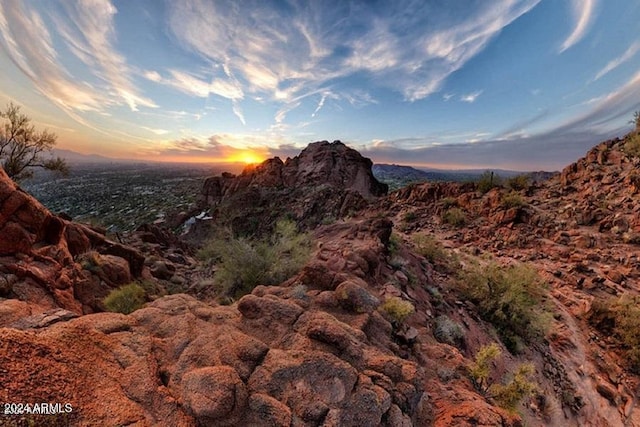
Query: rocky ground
x=319, y=349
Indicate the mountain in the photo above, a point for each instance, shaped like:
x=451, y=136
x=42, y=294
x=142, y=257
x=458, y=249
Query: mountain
x=73, y=157
x=398, y=176
x=326, y=181
x=437, y=304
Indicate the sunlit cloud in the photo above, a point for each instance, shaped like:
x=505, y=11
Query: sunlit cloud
x=88, y=32
x=615, y=63
x=156, y=131
x=583, y=12
x=283, y=58
x=471, y=97
x=216, y=148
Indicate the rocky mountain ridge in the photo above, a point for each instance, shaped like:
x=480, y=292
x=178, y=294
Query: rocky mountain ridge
x=328, y=180
x=320, y=348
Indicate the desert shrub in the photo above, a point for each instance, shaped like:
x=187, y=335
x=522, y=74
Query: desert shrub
x=397, y=309
x=636, y=120
x=454, y=216
x=480, y=368
x=394, y=244
x=512, y=298
x=410, y=216
x=242, y=264
x=512, y=200
x=125, y=299
x=620, y=317
x=91, y=261
x=509, y=394
x=448, y=331
x=488, y=180
x=449, y=202
x=291, y=250
x=518, y=182
x=436, y=295
x=632, y=145
x=429, y=247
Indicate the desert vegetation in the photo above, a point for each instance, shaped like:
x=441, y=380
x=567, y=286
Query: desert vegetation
x=23, y=148
x=397, y=309
x=430, y=248
x=512, y=298
x=620, y=317
x=125, y=299
x=488, y=180
x=243, y=263
x=518, y=182
x=511, y=390
x=454, y=217
x=512, y=200
x=632, y=144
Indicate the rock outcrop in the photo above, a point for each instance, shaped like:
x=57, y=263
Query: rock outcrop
x=283, y=355
x=326, y=181
x=580, y=230
x=42, y=256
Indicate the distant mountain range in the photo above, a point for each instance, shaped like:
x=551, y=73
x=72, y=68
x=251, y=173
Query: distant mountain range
x=73, y=157
x=397, y=176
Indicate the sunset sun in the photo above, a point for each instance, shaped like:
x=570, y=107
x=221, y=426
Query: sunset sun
x=247, y=157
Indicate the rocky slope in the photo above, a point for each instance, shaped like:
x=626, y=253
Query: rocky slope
x=321, y=349
x=580, y=230
x=324, y=182
x=41, y=258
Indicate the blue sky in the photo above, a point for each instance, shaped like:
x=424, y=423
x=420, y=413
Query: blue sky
x=518, y=84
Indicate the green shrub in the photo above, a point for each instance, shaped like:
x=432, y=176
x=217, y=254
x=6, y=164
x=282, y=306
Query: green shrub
x=636, y=120
x=480, y=368
x=508, y=395
x=394, y=244
x=620, y=317
x=518, y=182
x=448, y=331
x=454, y=217
x=428, y=247
x=512, y=200
x=512, y=298
x=397, y=309
x=488, y=180
x=632, y=145
x=449, y=202
x=125, y=299
x=242, y=264
x=410, y=216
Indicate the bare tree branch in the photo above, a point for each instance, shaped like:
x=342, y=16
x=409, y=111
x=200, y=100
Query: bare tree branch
x=23, y=148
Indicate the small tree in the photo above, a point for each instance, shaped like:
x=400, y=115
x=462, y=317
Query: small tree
x=23, y=148
x=636, y=120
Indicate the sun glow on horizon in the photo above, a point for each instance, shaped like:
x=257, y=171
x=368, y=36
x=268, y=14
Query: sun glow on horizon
x=247, y=157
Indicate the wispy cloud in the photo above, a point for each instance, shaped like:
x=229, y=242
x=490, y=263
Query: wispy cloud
x=615, y=63
x=218, y=147
x=155, y=131
x=471, y=97
x=583, y=12
x=607, y=109
x=88, y=32
x=283, y=56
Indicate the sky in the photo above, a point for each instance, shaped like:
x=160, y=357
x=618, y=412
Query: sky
x=511, y=84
